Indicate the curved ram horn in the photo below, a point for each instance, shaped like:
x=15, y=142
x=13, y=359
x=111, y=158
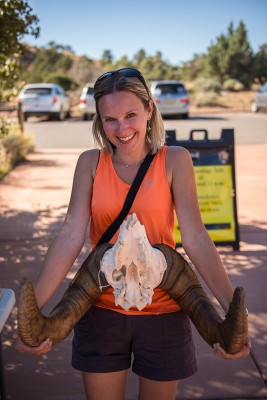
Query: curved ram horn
x=34, y=327
x=181, y=283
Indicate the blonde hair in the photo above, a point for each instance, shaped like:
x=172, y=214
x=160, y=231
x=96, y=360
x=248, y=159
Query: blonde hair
x=114, y=83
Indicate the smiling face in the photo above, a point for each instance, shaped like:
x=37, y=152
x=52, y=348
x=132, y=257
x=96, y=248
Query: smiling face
x=124, y=120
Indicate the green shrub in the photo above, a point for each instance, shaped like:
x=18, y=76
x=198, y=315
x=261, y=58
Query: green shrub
x=4, y=128
x=233, y=85
x=206, y=99
x=13, y=148
x=207, y=85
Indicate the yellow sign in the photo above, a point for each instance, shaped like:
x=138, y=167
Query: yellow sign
x=215, y=191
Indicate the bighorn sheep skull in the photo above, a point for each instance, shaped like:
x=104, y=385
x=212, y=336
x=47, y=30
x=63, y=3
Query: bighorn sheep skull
x=132, y=266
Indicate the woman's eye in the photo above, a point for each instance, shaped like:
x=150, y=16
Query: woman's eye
x=130, y=115
x=109, y=119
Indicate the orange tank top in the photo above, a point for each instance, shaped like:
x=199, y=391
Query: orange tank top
x=154, y=208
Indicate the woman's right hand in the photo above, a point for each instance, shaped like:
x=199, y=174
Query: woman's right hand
x=43, y=348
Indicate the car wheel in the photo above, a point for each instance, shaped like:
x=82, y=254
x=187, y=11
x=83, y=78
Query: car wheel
x=254, y=107
x=59, y=116
x=85, y=117
x=25, y=117
x=185, y=115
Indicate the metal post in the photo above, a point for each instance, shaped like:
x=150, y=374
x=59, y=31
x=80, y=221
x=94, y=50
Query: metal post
x=3, y=395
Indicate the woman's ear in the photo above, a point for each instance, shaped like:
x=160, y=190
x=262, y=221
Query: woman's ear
x=150, y=109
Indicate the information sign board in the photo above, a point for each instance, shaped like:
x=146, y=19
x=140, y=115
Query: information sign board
x=214, y=169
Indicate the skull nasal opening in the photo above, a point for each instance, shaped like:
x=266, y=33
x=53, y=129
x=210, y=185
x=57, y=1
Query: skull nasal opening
x=118, y=274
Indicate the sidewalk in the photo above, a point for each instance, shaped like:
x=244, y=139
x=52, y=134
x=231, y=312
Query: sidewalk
x=33, y=201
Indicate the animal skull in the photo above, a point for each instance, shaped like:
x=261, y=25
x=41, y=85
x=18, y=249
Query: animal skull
x=132, y=266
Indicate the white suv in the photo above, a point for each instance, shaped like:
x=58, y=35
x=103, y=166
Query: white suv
x=260, y=99
x=87, y=102
x=44, y=99
x=171, y=97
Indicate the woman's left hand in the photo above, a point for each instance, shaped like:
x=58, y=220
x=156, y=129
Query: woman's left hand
x=220, y=352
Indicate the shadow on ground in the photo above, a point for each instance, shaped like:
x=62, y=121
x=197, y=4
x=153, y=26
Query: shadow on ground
x=51, y=375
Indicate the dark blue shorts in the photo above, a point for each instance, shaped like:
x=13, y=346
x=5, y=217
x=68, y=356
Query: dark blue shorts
x=161, y=345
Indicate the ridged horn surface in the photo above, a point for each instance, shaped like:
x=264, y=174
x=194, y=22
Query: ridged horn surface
x=181, y=283
x=34, y=327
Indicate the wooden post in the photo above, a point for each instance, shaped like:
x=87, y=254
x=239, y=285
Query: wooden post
x=20, y=118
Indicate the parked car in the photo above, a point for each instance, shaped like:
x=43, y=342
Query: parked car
x=44, y=99
x=87, y=102
x=171, y=97
x=260, y=99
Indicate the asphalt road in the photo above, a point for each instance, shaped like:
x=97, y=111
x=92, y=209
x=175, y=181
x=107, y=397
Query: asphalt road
x=74, y=133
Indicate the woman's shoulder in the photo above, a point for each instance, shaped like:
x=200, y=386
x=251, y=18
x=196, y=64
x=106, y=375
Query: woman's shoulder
x=178, y=162
x=178, y=155
x=90, y=156
x=88, y=161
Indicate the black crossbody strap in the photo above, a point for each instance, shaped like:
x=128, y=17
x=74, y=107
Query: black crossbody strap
x=112, y=229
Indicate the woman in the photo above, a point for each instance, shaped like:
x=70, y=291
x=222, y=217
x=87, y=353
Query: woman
x=127, y=126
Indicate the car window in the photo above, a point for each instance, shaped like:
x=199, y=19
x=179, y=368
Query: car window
x=172, y=88
x=39, y=91
x=90, y=91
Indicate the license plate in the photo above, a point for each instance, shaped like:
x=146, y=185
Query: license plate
x=170, y=101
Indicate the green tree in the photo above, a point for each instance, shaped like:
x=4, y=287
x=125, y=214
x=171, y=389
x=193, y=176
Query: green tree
x=192, y=69
x=240, y=56
x=230, y=56
x=155, y=67
x=121, y=63
x=107, y=57
x=62, y=80
x=139, y=56
x=16, y=21
x=59, y=47
x=260, y=64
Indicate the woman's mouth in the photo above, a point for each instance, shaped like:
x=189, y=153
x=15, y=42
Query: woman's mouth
x=126, y=138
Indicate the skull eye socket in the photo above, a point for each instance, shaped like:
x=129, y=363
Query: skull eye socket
x=118, y=274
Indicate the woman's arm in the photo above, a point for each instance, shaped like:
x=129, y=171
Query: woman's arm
x=195, y=238
x=69, y=240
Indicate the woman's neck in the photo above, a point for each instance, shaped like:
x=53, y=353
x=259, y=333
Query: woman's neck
x=129, y=161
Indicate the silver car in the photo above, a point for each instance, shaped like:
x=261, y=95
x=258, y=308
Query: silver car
x=44, y=99
x=171, y=97
x=260, y=99
x=87, y=102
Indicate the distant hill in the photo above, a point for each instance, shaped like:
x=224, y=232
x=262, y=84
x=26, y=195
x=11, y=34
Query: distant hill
x=42, y=64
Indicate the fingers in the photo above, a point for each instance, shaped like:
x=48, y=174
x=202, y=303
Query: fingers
x=220, y=352
x=43, y=348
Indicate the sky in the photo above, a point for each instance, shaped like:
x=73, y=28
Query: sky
x=177, y=28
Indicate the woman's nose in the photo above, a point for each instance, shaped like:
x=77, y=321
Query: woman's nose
x=121, y=126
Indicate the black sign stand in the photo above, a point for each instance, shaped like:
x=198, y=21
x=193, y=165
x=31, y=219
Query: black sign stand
x=206, y=151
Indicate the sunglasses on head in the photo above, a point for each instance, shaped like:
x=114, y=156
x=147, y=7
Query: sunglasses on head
x=128, y=72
